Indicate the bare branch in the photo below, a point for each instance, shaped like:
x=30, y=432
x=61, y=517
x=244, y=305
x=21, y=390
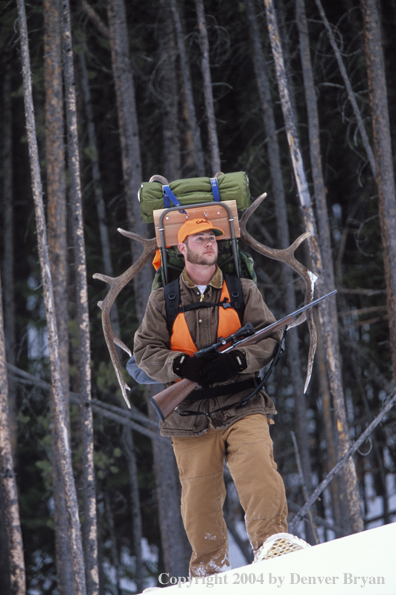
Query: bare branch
x=353, y=448
x=95, y=19
x=121, y=416
x=351, y=94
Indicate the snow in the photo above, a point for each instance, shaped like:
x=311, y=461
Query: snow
x=313, y=278
x=362, y=563
x=375, y=504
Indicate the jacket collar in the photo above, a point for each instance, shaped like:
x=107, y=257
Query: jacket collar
x=216, y=281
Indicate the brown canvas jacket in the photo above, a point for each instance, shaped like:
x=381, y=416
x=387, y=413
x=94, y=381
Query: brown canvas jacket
x=154, y=356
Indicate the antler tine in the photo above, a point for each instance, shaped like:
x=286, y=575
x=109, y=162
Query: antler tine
x=286, y=255
x=246, y=215
x=116, y=285
x=158, y=178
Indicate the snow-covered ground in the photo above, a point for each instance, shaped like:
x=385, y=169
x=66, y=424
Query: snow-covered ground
x=363, y=563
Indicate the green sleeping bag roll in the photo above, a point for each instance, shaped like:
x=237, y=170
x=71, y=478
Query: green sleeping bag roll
x=233, y=186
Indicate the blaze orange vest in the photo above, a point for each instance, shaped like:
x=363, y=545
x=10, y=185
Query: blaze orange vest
x=228, y=323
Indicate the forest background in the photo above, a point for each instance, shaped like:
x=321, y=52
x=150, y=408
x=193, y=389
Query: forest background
x=98, y=96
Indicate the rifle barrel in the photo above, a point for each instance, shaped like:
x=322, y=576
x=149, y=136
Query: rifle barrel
x=278, y=324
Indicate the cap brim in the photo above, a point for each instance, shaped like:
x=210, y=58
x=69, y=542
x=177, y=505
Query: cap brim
x=216, y=230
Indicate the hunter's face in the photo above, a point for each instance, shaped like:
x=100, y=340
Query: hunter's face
x=201, y=248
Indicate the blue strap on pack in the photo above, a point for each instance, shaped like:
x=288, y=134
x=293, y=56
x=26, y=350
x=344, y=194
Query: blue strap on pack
x=215, y=189
x=168, y=197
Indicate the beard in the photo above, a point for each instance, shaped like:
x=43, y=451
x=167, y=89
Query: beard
x=204, y=259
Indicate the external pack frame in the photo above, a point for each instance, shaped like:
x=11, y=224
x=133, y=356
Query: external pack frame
x=208, y=210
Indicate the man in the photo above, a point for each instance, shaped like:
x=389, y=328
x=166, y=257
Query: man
x=218, y=422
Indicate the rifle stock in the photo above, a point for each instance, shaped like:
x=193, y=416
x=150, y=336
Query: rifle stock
x=166, y=401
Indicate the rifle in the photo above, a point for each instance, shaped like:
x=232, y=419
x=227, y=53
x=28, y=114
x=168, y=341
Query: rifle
x=166, y=401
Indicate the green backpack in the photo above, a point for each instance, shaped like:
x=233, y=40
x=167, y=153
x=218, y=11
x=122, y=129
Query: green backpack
x=190, y=191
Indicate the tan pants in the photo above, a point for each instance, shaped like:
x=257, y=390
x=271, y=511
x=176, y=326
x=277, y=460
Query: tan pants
x=247, y=448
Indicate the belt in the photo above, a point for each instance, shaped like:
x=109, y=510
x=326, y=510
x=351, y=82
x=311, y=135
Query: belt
x=217, y=391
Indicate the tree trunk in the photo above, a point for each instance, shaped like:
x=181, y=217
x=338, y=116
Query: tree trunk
x=207, y=85
x=326, y=281
x=292, y=137
x=129, y=136
x=168, y=83
x=97, y=187
x=57, y=244
x=96, y=178
x=331, y=459
x=8, y=242
x=56, y=185
x=113, y=542
x=383, y=157
x=9, y=295
x=8, y=488
x=137, y=532
x=172, y=532
x=84, y=356
x=59, y=406
x=5, y=575
x=175, y=546
x=328, y=324
x=288, y=50
x=293, y=356
x=196, y=145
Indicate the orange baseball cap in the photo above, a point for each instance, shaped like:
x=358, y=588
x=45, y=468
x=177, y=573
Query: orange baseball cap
x=193, y=226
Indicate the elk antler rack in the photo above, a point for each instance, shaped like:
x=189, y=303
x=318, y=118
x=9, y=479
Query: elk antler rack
x=287, y=256
x=116, y=285
x=149, y=247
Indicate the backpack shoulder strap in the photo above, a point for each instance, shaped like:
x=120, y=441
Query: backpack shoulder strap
x=172, y=302
x=234, y=287
x=172, y=299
